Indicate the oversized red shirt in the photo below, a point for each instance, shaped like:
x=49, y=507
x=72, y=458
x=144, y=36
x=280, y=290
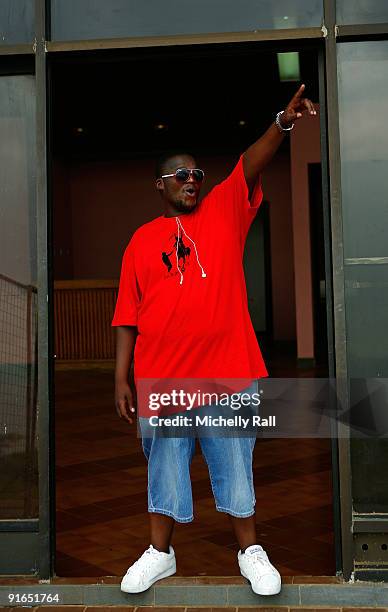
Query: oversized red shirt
x=182, y=284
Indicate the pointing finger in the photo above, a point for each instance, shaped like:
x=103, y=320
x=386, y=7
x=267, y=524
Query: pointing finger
x=299, y=92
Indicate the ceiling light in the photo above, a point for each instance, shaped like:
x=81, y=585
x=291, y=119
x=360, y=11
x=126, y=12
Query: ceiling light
x=160, y=126
x=288, y=64
x=242, y=122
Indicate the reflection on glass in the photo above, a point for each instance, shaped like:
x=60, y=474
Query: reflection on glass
x=366, y=292
x=88, y=19
x=18, y=303
x=362, y=11
x=363, y=100
x=16, y=21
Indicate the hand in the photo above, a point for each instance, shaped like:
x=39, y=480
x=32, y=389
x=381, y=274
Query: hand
x=124, y=401
x=296, y=108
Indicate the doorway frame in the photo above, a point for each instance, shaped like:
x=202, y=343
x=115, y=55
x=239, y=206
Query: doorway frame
x=274, y=44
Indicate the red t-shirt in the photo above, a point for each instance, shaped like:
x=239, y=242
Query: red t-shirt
x=182, y=284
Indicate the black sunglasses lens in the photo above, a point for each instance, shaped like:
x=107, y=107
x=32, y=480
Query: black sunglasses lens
x=198, y=175
x=182, y=174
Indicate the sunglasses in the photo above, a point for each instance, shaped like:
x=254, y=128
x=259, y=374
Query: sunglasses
x=182, y=174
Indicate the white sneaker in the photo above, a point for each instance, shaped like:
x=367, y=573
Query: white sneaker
x=256, y=567
x=150, y=567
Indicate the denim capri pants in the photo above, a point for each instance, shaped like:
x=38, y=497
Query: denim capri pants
x=229, y=461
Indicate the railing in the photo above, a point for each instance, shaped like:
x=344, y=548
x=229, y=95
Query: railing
x=83, y=311
x=18, y=399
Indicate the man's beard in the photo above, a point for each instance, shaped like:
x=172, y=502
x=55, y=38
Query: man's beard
x=184, y=206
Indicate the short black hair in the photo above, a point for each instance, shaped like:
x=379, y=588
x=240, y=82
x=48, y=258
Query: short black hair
x=165, y=157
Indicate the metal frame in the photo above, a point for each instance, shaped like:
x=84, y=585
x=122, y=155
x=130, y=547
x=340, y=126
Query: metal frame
x=44, y=336
x=329, y=301
x=328, y=259
x=189, y=39
x=361, y=31
x=17, y=49
x=344, y=463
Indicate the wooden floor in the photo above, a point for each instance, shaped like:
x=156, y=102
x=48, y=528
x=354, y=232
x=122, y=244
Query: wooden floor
x=101, y=480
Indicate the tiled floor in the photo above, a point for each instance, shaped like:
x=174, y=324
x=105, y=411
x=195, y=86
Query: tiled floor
x=102, y=522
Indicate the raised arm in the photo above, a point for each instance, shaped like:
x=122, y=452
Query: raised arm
x=260, y=153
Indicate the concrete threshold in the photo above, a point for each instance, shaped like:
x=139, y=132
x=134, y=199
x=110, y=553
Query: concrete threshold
x=303, y=591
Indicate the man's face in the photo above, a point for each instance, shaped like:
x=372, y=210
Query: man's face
x=179, y=196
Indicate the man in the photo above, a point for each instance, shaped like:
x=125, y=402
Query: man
x=193, y=323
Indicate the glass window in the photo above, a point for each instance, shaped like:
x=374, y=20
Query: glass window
x=364, y=146
x=362, y=11
x=366, y=291
x=18, y=303
x=88, y=19
x=363, y=101
x=16, y=21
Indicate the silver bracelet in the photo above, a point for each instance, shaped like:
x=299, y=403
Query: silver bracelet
x=281, y=128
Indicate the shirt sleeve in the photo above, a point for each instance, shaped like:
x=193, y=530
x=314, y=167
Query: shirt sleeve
x=129, y=295
x=231, y=197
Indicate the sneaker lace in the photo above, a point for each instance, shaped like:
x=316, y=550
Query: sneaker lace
x=144, y=563
x=261, y=558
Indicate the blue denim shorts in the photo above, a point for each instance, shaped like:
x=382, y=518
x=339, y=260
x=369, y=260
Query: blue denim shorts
x=229, y=461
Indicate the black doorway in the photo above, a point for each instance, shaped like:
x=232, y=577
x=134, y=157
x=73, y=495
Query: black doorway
x=112, y=111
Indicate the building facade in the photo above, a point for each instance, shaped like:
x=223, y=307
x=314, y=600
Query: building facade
x=350, y=39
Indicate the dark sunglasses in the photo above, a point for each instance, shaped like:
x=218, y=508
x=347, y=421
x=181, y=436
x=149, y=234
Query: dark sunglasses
x=182, y=174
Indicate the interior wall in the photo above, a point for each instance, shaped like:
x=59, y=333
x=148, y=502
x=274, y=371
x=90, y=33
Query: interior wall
x=63, y=222
x=277, y=189
x=305, y=149
x=98, y=205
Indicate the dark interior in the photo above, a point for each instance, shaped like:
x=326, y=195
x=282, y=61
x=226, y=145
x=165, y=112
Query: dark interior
x=201, y=94
x=209, y=99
